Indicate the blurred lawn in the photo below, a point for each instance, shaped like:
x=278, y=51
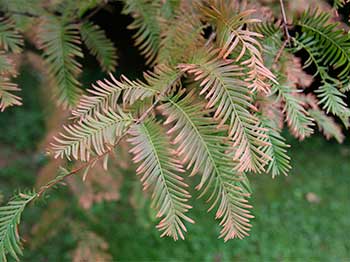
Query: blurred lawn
x=287, y=226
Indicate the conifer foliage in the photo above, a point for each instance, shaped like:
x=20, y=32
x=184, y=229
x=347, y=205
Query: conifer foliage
x=224, y=79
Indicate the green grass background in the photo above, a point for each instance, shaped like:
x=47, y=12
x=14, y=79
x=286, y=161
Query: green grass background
x=286, y=227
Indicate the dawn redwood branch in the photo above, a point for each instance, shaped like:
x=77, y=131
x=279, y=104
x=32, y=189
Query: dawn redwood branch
x=59, y=179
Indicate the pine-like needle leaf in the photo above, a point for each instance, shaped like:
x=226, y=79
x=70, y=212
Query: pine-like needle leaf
x=7, y=98
x=10, y=216
x=61, y=45
x=105, y=94
x=221, y=81
x=237, y=41
x=298, y=119
x=202, y=147
x=91, y=135
x=329, y=94
x=327, y=125
x=333, y=44
x=10, y=39
x=280, y=161
x=159, y=169
x=99, y=45
x=147, y=36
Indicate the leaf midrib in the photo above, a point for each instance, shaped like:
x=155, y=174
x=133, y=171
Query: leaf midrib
x=155, y=153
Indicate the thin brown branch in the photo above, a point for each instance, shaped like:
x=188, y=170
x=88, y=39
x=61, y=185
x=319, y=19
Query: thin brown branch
x=285, y=22
x=58, y=180
x=280, y=52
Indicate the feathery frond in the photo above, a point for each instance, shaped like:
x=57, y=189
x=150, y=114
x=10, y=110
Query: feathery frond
x=216, y=48
x=10, y=39
x=10, y=216
x=280, y=161
x=105, y=94
x=327, y=125
x=298, y=119
x=220, y=79
x=61, y=45
x=91, y=135
x=99, y=45
x=162, y=77
x=330, y=97
x=201, y=145
x=272, y=42
x=270, y=31
x=332, y=100
x=339, y=3
x=173, y=43
x=11, y=42
x=158, y=168
x=7, y=98
x=237, y=41
x=305, y=43
x=7, y=66
x=333, y=44
x=147, y=37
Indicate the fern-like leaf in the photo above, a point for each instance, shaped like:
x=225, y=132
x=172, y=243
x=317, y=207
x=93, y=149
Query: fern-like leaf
x=332, y=100
x=61, y=45
x=173, y=43
x=201, y=145
x=159, y=170
x=10, y=39
x=330, y=97
x=92, y=135
x=7, y=66
x=237, y=41
x=220, y=79
x=339, y=3
x=298, y=119
x=147, y=37
x=280, y=161
x=333, y=44
x=327, y=125
x=105, y=94
x=99, y=45
x=10, y=216
x=271, y=43
x=7, y=98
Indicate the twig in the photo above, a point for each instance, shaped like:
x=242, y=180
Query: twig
x=49, y=185
x=288, y=37
x=279, y=53
x=285, y=22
